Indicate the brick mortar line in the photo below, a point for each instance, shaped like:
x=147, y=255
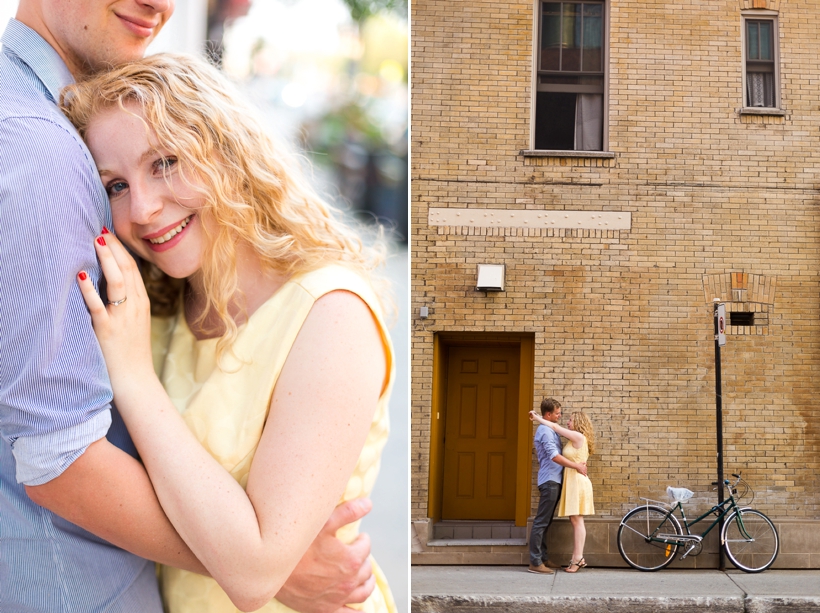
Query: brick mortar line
x=632, y=184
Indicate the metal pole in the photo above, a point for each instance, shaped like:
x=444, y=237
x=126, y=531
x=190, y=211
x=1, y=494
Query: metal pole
x=719, y=419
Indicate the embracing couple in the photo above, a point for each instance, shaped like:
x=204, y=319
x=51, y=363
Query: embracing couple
x=562, y=471
x=250, y=405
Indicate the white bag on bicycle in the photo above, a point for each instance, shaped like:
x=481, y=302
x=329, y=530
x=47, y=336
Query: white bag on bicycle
x=679, y=494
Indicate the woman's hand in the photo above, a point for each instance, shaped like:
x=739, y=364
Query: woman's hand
x=537, y=418
x=123, y=326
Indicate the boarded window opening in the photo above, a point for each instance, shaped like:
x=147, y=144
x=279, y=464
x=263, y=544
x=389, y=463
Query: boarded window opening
x=738, y=318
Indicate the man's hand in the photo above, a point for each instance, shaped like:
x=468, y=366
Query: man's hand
x=581, y=468
x=332, y=574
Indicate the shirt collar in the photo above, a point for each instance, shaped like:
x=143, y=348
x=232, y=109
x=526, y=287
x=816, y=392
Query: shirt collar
x=41, y=57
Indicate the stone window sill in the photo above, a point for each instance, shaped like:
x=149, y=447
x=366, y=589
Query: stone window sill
x=542, y=153
x=754, y=110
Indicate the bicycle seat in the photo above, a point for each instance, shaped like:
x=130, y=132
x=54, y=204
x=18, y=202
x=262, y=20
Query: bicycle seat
x=679, y=494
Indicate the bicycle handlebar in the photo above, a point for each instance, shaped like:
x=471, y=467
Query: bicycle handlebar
x=727, y=483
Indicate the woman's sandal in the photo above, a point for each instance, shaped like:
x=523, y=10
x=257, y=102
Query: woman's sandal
x=578, y=566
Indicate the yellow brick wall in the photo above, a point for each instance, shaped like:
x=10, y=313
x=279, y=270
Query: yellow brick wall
x=621, y=322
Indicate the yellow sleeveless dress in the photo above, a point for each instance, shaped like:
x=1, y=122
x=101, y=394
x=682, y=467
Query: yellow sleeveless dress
x=226, y=410
x=576, y=490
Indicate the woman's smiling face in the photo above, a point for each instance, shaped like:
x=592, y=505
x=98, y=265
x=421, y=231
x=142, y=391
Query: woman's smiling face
x=155, y=211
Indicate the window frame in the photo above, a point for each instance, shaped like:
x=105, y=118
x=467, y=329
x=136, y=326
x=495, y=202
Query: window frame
x=536, y=52
x=761, y=15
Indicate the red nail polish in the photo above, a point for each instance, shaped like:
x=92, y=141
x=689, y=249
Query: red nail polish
x=105, y=230
x=101, y=241
x=82, y=275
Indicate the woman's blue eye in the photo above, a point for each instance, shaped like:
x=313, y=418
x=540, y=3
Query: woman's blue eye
x=117, y=188
x=165, y=163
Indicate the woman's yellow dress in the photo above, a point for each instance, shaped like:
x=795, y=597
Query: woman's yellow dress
x=226, y=410
x=576, y=491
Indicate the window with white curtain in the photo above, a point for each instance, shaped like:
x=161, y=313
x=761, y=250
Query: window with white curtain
x=569, y=105
x=760, y=63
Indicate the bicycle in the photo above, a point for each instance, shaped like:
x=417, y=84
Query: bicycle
x=650, y=536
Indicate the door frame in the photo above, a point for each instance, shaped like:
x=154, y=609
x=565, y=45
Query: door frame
x=442, y=341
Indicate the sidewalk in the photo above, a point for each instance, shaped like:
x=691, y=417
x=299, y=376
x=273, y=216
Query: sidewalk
x=492, y=589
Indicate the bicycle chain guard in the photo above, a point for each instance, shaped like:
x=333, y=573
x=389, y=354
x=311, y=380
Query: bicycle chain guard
x=693, y=548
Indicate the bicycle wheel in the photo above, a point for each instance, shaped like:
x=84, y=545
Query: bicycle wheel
x=750, y=540
x=634, y=542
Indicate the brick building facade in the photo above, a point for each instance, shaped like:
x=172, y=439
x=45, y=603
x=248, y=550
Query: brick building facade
x=622, y=192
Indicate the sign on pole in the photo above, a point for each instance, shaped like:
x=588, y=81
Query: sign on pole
x=721, y=327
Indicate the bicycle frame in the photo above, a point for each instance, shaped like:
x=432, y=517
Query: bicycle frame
x=725, y=507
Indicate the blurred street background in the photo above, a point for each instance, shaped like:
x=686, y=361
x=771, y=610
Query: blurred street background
x=389, y=522
x=331, y=77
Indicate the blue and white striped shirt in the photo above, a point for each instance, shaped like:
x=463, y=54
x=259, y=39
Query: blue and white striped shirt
x=55, y=396
x=547, y=446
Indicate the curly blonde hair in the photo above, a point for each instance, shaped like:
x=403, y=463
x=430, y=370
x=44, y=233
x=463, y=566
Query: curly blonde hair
x=254, y=190
x=583, y=424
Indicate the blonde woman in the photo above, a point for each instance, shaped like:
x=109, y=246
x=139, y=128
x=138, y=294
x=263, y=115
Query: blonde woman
x=576, y=492
x=274, y=323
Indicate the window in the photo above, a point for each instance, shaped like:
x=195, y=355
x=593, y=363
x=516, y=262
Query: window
x=760, y=58
x=569, y=105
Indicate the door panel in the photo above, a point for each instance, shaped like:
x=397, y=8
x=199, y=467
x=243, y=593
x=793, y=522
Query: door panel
x=481, y=433
x=467, y=411
x=465, y=485
x=498, y=412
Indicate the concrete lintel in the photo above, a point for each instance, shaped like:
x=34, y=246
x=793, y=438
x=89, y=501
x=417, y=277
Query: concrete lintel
x=506, y=218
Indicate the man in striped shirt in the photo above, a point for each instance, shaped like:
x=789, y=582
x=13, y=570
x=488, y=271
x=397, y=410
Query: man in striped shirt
x=62, y=444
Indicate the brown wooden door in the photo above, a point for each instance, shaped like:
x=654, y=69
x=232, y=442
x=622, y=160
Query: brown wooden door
x=480, y=436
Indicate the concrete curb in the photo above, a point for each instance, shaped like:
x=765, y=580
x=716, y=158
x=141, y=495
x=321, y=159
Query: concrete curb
x=596, y=604
x=771, y=604
x=573, y=604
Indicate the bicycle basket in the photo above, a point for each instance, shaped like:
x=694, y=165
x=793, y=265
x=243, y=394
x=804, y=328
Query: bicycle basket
x=679, y=494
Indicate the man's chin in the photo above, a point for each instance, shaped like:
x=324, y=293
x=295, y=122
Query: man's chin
x=93, y=67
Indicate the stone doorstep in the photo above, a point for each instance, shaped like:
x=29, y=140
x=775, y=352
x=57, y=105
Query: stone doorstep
x=478, y=530
x=478, y=543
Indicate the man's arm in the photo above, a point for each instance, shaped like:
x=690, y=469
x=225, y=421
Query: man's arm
x=551, y=448
x=559, y=459
x=108, y=493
